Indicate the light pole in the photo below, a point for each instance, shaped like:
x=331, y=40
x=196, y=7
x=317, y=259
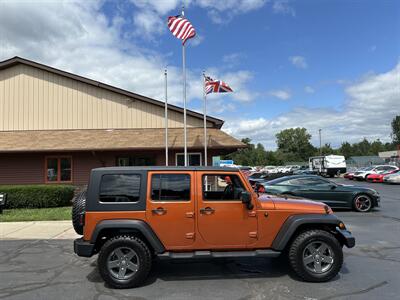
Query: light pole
x=320, y=144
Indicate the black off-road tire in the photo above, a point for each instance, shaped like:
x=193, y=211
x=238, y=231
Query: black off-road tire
x=143, y=256
x=78, y=208
x=295, y=255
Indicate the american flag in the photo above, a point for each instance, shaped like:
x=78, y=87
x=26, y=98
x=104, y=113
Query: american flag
x=216, y=86
x=181, y=28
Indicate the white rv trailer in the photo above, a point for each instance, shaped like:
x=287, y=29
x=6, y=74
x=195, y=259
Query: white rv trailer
x=329, y=165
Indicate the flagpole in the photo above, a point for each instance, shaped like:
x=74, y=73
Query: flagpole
x=184, y=96
x=166, y=117
x=205, y=119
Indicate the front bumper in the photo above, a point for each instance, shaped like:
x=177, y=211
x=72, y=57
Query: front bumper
x=376, y=200
x=346, y=237
x=83, y=248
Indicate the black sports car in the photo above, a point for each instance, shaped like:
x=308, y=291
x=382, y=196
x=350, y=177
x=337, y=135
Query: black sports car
x=320, y=189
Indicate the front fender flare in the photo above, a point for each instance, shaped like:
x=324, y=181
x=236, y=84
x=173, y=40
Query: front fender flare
x=294, y=222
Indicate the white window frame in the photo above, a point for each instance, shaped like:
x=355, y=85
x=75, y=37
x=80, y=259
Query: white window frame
x=189, y=153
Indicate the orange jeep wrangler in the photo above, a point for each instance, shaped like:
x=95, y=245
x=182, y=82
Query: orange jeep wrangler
x=131, y=215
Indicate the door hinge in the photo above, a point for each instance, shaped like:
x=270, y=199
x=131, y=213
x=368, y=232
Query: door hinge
x=253, y=234
x=190, y=235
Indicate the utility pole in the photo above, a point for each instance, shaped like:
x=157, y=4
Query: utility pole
x=320, y=143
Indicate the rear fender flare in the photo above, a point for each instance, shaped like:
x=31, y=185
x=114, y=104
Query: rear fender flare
x=138, y=225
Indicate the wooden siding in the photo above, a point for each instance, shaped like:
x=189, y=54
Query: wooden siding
x=34, y=99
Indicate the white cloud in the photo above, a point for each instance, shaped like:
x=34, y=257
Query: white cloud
x=309, y=90
x=233, y=59
x=371, y=104
x=298, y=61
x=283, y=7
x=76, y=37
x=281, y=94
x=150, y=14
x=147, y=23
x=160, y=6
x=224, y=11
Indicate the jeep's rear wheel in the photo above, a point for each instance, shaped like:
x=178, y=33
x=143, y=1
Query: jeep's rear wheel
x=316, y=256
x=124, y=262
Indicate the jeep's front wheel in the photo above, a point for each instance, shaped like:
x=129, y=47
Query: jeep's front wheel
x=316, y=256
x=124, y=262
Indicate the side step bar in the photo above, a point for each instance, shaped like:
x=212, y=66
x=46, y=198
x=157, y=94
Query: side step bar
x=217, y=254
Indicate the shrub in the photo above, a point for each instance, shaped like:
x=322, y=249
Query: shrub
x=37, y=196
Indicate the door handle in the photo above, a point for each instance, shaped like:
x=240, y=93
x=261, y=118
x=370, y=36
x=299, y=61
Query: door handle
x=159, y=211
x=207, y=211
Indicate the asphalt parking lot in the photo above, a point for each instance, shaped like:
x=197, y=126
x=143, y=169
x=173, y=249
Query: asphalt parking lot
x=48, y=269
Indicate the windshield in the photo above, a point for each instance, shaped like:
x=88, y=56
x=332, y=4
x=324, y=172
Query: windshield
x=277, y=181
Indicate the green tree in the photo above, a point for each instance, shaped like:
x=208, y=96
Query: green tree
x=294, y=144
x=327, y=149
x=346, y=149
x=396, y=130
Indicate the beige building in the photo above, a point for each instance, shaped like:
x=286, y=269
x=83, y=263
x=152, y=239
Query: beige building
x=56, y=126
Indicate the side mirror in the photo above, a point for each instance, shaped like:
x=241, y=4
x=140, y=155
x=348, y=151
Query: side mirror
x=246, y=199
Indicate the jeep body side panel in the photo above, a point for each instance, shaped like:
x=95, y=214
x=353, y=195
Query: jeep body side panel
x=93, y=203
x=138, y=225
x=293, y=222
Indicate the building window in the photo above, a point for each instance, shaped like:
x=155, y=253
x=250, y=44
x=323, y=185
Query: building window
x=120, y=188
x=170, y=187
x=194, y=159
x=58, y=169
x=124, y=161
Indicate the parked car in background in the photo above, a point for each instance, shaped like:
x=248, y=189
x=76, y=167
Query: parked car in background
x=257, y=175
x=392, y=178
x=378, y=177
x=305, y=172
x=286, y=169
x=349, y=175
x=270, y=169
x=362, y=174
x=313, y=187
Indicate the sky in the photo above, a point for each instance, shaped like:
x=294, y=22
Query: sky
x=320, y=64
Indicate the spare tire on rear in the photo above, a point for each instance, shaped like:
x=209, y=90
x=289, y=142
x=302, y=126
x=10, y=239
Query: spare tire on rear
x=78, y=209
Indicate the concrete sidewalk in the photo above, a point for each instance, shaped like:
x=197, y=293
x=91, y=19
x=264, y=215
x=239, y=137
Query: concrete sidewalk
x=37, y=230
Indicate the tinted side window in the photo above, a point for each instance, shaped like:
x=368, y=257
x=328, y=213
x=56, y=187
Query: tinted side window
x=120, y=188
x=170, y=187
x=292, y=182
x=313, y=181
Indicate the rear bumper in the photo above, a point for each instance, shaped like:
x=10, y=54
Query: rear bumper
x=83, y=248
x=347, y=238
